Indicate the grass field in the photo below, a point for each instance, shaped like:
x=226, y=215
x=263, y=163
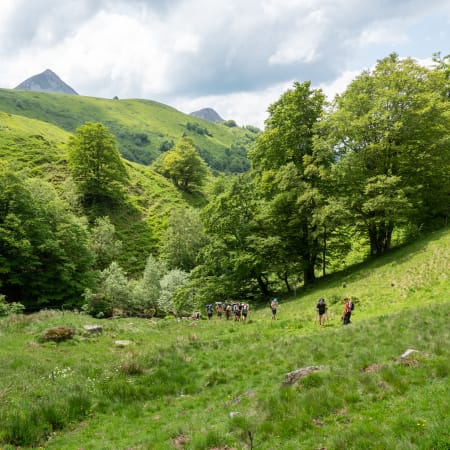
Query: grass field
x=220, y=385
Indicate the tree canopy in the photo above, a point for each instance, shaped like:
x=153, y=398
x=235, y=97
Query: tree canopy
x=183, y=165
x=95, y=164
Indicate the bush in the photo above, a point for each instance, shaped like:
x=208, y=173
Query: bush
x=10, y=308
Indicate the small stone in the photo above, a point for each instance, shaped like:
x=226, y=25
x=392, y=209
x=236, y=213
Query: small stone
x=93, y=328
x=122, y=343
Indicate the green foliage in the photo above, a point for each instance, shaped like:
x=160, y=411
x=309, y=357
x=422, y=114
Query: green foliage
x=147, y=290
x=183, y=165
x=235, y=261
x=96, y=165
x=45, y=258
x=197, y=128
x=392, y=124
x=183, y=239
x=230, y=123
x=103, y=242
x=170, y=283
x=111, y=292
x=10, y=308
x=290, y=174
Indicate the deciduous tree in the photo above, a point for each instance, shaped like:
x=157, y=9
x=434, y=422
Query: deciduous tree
x=95, y=164
x=183, y=165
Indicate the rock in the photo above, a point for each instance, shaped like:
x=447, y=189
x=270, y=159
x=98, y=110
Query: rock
x=409, y=358
x=46, y=81
x=234, y=414
x=122, y=343
x=295, y=375
x=93, y=329
x=407, y=353
x=58, y=334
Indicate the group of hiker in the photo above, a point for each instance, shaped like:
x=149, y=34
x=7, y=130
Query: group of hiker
x=239, y=311
x=322, y=309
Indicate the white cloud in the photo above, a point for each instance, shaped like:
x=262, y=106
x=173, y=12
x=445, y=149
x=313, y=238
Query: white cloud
x=237, y=56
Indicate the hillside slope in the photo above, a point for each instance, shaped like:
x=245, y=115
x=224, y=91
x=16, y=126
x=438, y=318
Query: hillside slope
x=143, y=128
x=39, y=149
x=220, y=384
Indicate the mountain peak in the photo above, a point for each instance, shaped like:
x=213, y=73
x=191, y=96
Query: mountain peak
x=207, y=114
x=46, y=81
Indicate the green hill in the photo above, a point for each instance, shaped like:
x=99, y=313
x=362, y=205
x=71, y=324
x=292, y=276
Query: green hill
x=220, y=384
x=38, y=148
x=143, y=128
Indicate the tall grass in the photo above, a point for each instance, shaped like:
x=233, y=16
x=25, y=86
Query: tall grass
x=221, y=382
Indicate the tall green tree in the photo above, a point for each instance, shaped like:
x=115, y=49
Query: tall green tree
x=95, y=164
x=104, y=243
x=236, y=260
x=183, y=239
x=45, y=260
x=289, y=174
x=390, y=131
x=183, y=165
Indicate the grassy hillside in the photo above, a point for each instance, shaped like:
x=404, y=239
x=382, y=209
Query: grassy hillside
x=219, y=384
x=39, y=149
x=143, y=128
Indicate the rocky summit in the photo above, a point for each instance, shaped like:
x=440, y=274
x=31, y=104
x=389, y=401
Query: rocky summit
x=46, y=81
x=207, y=114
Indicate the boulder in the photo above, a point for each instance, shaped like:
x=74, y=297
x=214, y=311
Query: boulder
x=93, y=329
x=58, y=334
x=295, y=375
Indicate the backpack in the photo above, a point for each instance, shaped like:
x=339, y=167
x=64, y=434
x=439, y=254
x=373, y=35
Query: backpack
x=352, y=306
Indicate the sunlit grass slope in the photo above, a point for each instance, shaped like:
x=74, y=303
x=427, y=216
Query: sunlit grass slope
x=142, y=127
x=219, y=384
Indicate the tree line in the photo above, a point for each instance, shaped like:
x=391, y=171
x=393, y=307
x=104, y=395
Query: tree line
x=325, y=180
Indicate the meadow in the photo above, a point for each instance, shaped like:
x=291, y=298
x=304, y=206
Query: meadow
x=184, y=384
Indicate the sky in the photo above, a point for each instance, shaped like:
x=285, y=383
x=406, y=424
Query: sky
x=236, y=56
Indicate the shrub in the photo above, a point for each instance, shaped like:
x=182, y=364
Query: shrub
x=10, y=308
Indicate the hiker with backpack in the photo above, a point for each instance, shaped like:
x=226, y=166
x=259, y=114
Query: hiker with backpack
x=237, y=311
x=273, y=307
x=244, y=312
x=347, y=313
x=219, y=309
x=227, y=311
x=209, y=311
x=321, y=309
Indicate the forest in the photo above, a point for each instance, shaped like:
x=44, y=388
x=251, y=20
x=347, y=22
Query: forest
x=328, y=185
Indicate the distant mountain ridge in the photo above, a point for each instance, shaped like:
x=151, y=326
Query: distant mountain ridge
x=46, y=81
x=207, y=114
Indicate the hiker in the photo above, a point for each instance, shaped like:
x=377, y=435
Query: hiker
x=237, y=311
x=347, y=313
x=273, y=307
x=245, y=309
x=209, y=311
x=321, y=309
x=219, y=309
x=227, y=311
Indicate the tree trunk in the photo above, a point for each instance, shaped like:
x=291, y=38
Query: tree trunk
x=263, y=285
x=380, y=238
x=286, y=282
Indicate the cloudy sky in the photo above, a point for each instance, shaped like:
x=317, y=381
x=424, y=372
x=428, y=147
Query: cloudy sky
x=236, y=56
